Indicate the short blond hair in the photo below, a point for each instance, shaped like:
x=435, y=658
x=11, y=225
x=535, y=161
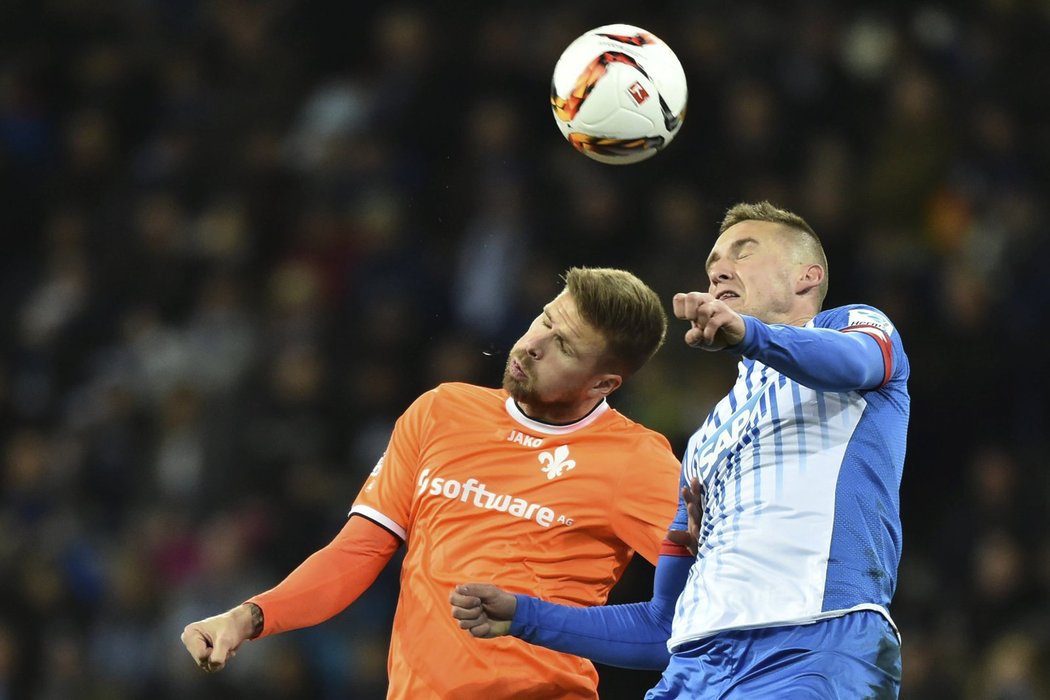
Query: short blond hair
x=808, y=243
x=625, y=310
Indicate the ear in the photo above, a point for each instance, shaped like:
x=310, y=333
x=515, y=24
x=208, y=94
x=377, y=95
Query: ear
x=605, y=384
x=811, y=277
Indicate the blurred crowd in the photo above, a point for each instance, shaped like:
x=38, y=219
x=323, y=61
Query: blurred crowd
x=238, y=238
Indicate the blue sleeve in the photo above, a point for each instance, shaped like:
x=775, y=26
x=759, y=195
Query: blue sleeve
x=681, y=516
x=629, y=636
x=824, y=359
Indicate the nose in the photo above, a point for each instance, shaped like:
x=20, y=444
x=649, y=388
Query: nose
x=533, y=345
x=719, y=271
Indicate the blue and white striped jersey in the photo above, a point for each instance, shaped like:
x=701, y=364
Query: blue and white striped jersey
x=801, y=469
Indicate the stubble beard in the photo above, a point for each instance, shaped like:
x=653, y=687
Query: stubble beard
x=521, y=390
x=524, y=393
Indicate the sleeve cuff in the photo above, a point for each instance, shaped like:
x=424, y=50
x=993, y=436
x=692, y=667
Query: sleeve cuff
x=752, y=331
x=522, y=613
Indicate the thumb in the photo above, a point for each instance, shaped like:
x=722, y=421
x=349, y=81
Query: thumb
x=694, y=337
x=683, y=539
x=220, y=653
x=483, y=591
x=196, y=643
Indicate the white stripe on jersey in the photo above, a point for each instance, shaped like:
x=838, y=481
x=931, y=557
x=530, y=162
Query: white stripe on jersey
x=769, y=457
x=376, y=516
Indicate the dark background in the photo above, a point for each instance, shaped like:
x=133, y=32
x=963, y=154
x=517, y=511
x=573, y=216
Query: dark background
x=238, y=238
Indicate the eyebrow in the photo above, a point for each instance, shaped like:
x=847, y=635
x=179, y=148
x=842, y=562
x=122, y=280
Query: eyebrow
x=734, y=248
x=568, y=342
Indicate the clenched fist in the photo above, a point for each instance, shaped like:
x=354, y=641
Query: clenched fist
x=714, y=325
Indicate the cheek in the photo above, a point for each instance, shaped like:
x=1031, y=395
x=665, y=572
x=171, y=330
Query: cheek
x=559, y=373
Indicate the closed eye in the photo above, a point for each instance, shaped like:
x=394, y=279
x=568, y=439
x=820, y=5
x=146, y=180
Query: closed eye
x=548, y=322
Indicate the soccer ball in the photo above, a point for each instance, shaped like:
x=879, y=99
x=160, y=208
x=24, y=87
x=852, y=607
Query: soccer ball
x=618, y=94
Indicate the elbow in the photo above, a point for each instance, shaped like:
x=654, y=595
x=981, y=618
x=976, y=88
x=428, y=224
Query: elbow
x=867, y=375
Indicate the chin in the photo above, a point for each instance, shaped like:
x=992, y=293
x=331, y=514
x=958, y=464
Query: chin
x=518, y=391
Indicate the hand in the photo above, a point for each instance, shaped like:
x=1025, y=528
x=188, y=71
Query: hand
x=714, y=324
x=214, y=641
x=693, y=495
x=483, y=609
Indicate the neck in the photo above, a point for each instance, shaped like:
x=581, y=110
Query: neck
x=800, y=320
x=557, y=413
x=791, y=317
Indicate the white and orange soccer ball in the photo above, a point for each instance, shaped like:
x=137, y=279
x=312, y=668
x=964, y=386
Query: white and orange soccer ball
x=618, y=94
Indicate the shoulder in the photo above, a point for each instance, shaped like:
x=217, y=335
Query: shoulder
x=855, y=316
x=620, y=427
x=449, y=395
x=453, y=391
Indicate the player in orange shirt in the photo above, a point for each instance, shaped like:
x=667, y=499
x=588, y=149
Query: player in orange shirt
x=541, y=485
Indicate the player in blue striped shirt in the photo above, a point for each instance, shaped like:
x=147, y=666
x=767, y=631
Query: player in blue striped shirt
x=798, y=527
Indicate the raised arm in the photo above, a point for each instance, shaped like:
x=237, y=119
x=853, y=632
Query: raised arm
x=858, y=356
x=820, y=358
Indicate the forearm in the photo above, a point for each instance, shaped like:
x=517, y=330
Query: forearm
x=820, y=358
x=629, y=636
x=329, y=580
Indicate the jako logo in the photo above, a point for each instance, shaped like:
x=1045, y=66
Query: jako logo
x=556, y=463
x=474, y=492
x=523, y=439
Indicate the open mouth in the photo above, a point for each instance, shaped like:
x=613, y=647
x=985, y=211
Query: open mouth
x=727, y=295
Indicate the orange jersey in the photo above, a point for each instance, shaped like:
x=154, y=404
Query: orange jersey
x=481, y=493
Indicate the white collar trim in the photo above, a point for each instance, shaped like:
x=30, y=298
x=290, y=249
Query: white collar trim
x=548, y=429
